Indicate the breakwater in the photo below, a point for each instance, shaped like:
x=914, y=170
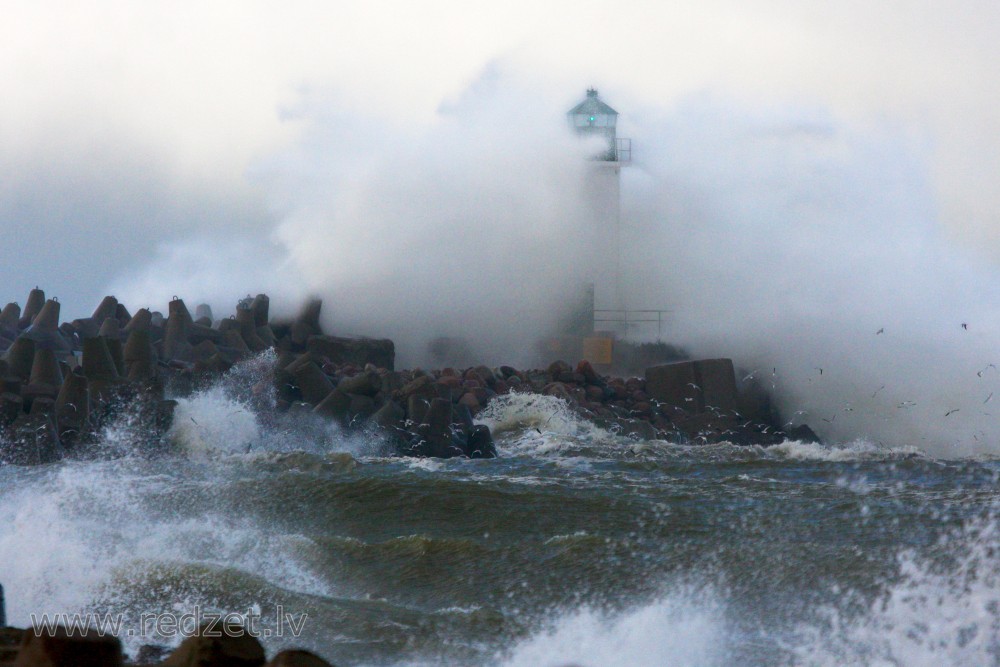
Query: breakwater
x=60, y=383
x=576, y=545
x=69, y=387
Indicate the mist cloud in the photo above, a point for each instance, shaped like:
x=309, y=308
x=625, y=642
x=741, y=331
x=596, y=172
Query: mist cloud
x=789, y=239
x=474, y=227
x=786, y=238
x=806, y=174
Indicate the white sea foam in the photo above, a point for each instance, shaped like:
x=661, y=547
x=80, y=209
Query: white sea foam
x=211, y=422
x=546, y=426
x=457, y=610
x=222, y=419
x=858, y=450
x=77, y=534
x=555, y=539
x=682, y=629
x=427, y=465
x=941, y=611
x=531, y=443
x=938, y=614
x=533, y=425
x=544, y=414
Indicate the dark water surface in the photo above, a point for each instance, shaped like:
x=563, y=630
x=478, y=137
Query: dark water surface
x=575, y=546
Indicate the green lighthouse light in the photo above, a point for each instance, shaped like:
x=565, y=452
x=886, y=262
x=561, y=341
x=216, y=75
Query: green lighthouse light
x=593, y=118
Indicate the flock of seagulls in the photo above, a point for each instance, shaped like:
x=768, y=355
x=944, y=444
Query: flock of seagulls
x=903, y=405
x=881, y=330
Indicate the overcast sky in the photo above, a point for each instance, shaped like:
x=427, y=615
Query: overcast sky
x=127, y=125
x=210, y=149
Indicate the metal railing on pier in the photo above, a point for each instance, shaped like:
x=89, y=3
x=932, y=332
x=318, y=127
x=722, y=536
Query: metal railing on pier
x=636, y=323
x=623, y=150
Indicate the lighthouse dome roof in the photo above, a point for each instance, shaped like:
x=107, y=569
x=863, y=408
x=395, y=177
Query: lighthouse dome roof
x=592, y=106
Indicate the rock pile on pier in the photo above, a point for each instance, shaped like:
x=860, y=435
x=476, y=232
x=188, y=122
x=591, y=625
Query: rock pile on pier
x=61, y=383
x=688, y=401
x=432, y=412
x=353, y=382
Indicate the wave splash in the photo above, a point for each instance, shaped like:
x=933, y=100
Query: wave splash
x=235, y=416
x=683, y=629
x=942, y=610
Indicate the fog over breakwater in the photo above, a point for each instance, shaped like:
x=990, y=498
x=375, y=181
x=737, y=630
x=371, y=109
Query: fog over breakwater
x=785, y=240
x=785, y=202
x=784, y=236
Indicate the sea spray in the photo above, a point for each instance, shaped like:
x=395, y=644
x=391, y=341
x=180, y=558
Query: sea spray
x=538, y=424
x=809, y=248
x=568, y=547
x=212, y=422
x=943, y=608
x=132, y=536
x=686, y=628
x=236, y=414
x=858, y=450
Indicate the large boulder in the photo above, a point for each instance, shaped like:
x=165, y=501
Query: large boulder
x=10, y=642
x=336, y=405
x=72, y=408
x=366, y=383
x=480, y=443
x=380, y=352
x=35, y=440
x=175, y=338
x=313, y=383
x=294, y=658
x=228, y=646
x=62, y=649
x=44, y=329
x=695, y=386
x=717, y=379
x=674, y=384
x=19, y=357
x=33, y=306
x=421, y=387
x=9, y=317
x=389, y=416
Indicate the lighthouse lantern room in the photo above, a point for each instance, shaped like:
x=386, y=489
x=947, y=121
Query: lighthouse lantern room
x=593, y=117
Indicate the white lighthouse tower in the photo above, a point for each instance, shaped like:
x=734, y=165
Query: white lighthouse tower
x=594, y=118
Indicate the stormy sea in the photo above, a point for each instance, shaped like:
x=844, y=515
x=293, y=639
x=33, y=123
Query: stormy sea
x=577, y=545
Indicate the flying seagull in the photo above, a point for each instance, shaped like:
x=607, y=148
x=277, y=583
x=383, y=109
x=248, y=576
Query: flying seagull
x=881, y=330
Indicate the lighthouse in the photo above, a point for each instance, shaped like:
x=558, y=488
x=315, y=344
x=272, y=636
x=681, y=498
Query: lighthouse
x=591, y=118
